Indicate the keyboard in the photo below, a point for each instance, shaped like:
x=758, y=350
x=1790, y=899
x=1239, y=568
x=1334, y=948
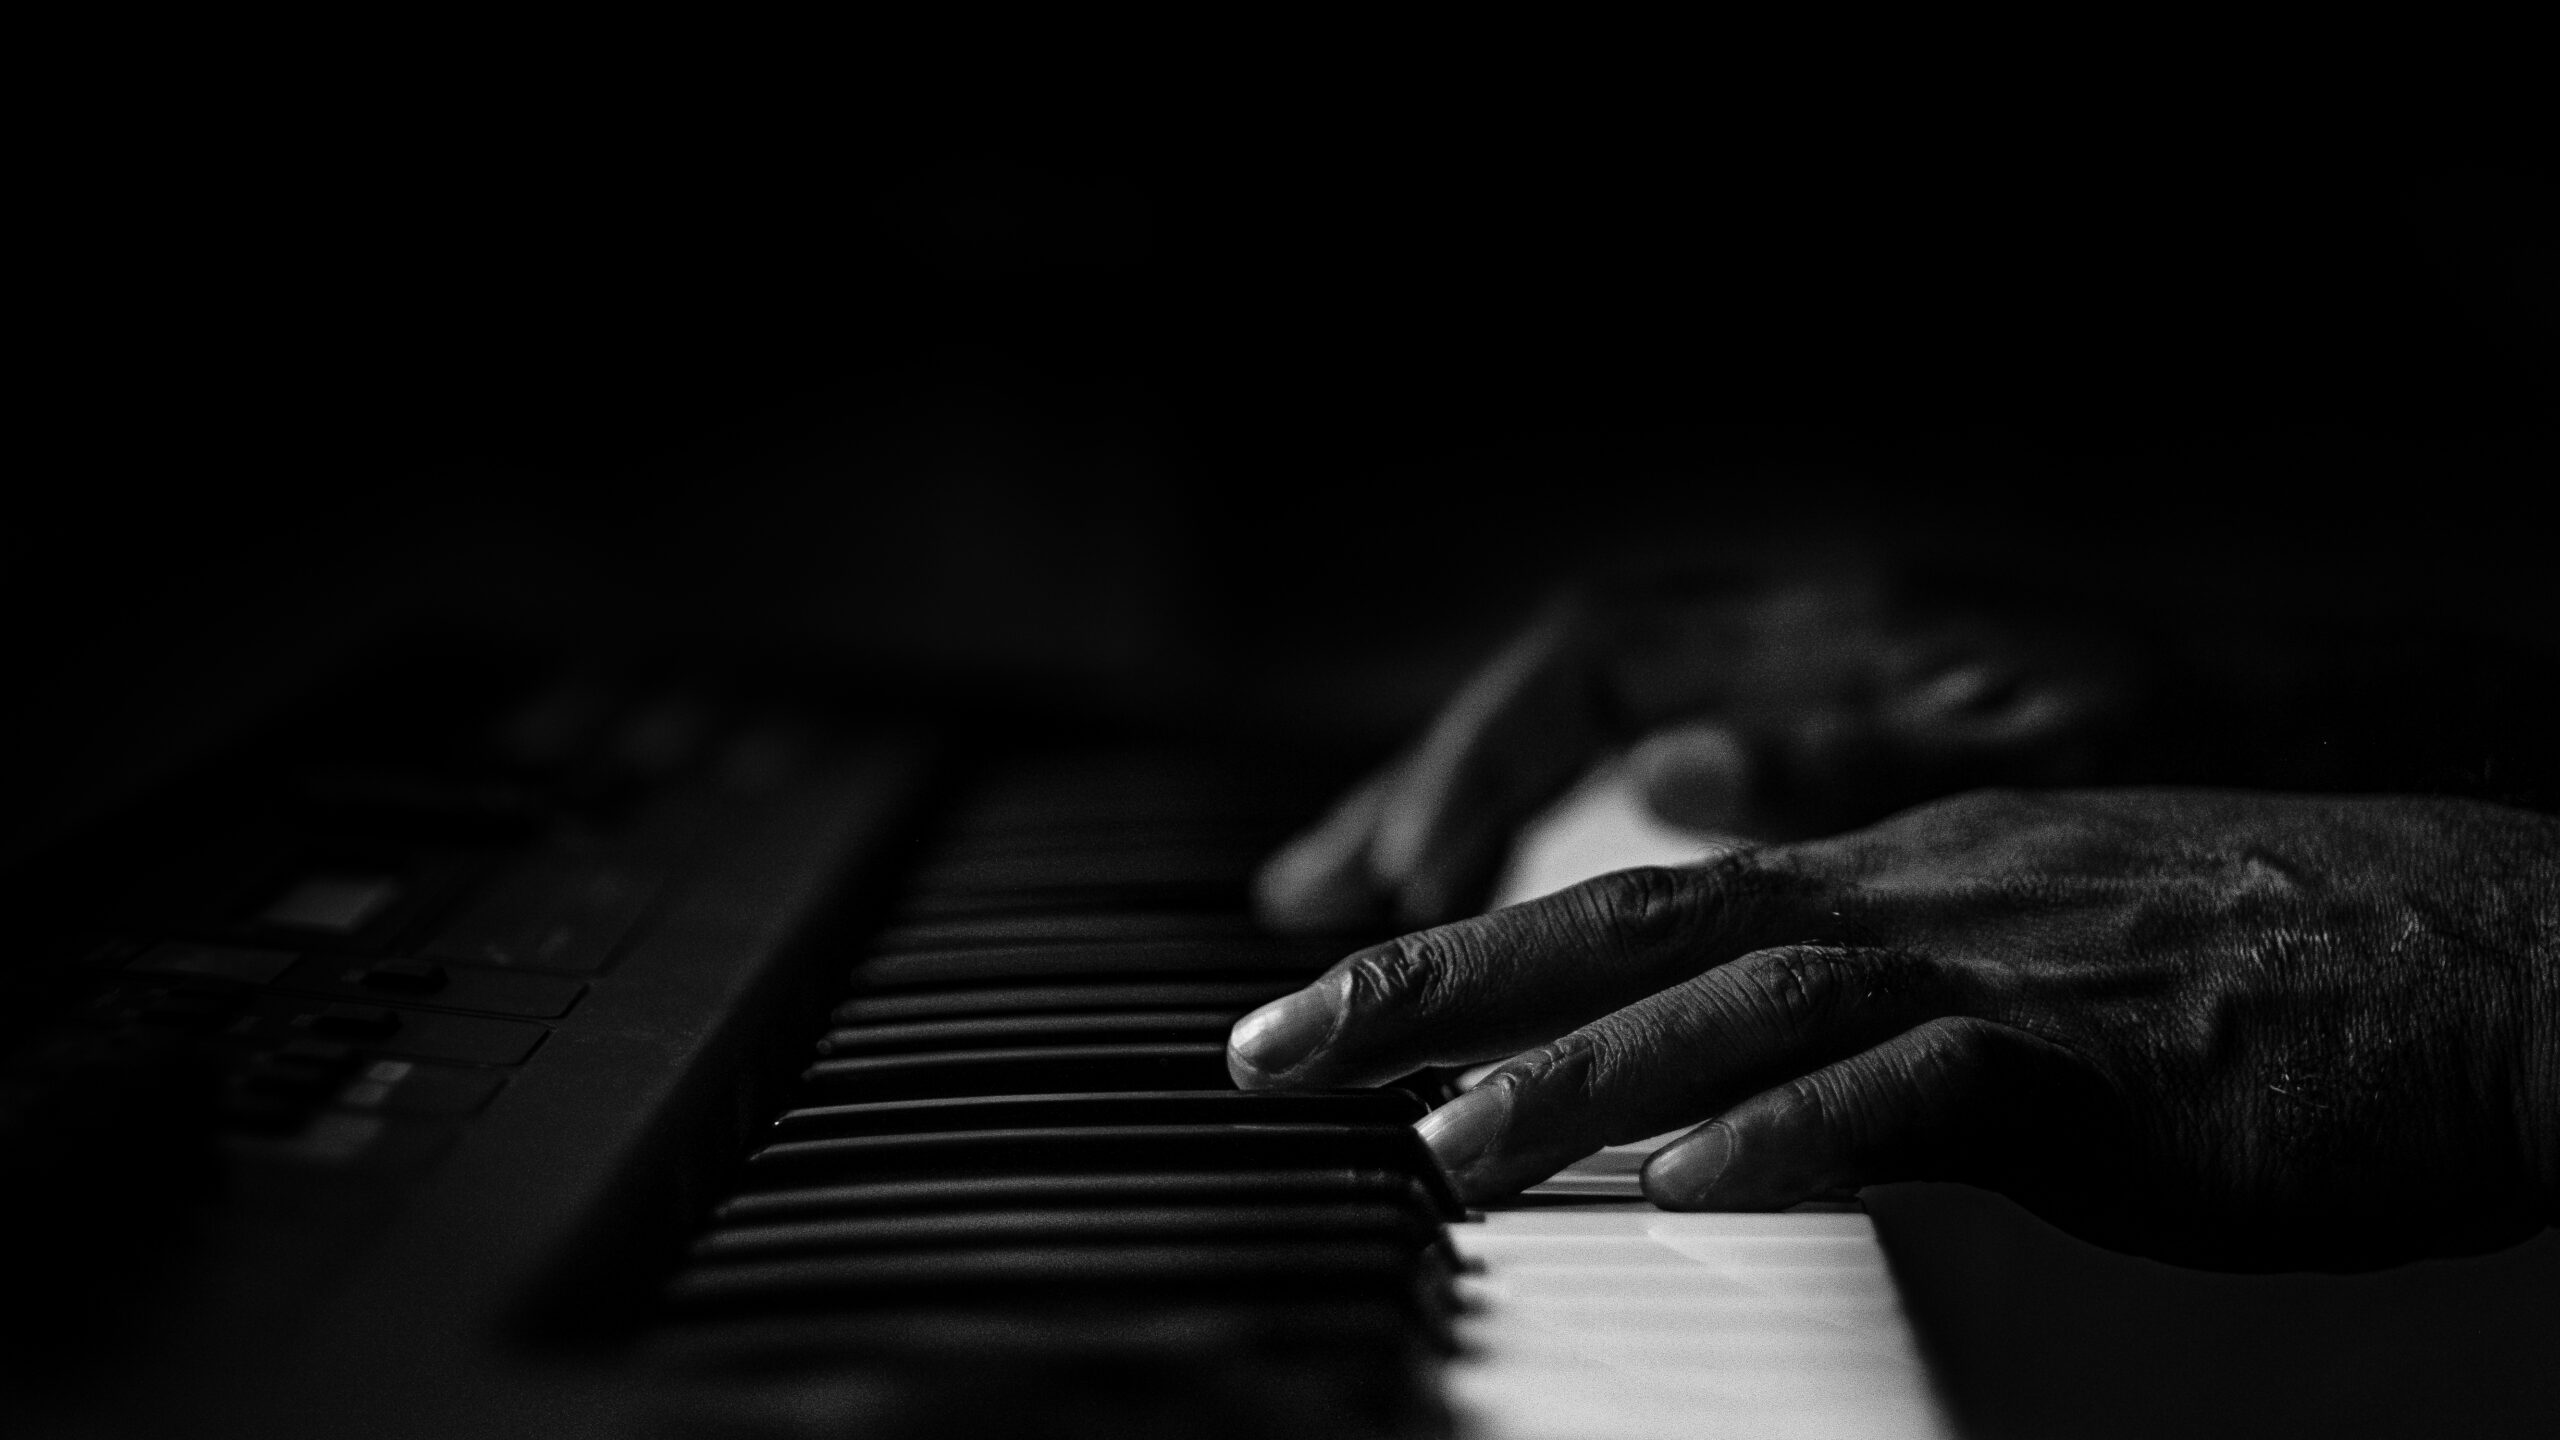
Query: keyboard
x=602, y=1051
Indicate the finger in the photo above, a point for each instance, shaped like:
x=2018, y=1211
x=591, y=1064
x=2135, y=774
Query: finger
x=1953, y=1099
x=1513, y=739
x=1683, y=1053
x=1495, y=984
x=1321, y=880
x=1697, y=776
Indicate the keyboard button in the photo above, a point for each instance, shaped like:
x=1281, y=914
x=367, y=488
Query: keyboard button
x=356, y=1022
x=444, y=985
x=408, y=977
x=556, y=912
x=332, y=904
x=412, y=1087
x=219, y=962
x=413, y=1034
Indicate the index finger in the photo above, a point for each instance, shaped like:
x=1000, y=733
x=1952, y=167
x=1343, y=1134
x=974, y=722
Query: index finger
x=1496, y=984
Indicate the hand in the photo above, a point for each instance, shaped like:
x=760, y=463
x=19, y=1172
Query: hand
x=1771, y=709
x=2226, y=1028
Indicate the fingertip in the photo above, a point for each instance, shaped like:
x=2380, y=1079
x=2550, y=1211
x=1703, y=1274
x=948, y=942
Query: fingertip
x=1698, y=776
x=1281, y=1037
x=1684, y=1174
x=1317, y=882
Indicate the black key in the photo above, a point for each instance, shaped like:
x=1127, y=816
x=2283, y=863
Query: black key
x=997, y=1030
x=1306, y=1269
x=1080, y=867
x=1101, y=1150
x=1097, y=927
x=1028, y=1071
x=1084, y=1327
x=1162, y=1107
x=1134, y=1225
x=1235, y=997
x=1256, y=959
x=932, y=906
x=1241, y=843
x=1167, y=1187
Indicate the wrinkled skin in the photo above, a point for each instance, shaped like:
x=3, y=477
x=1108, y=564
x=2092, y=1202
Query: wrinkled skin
x=2225, y=1028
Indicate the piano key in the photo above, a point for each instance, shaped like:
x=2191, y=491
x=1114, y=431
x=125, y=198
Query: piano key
x=1094, y=927
x=1247, y=840
x=1026, y=1071
x=995, y=1030
x=1099, y=1150
x=1384, y=1186
x=1093, y=1326
x=1162, y=1107
x=1260, y=957
x=1249, y=1220
x=1234, y=997
x=929, y=906
x=1317, y=1269
x=1082, y=867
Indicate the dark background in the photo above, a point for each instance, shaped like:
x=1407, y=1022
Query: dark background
x=1270, y=396
x=1265, y=404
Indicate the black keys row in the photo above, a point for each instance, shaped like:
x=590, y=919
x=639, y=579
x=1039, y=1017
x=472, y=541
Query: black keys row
x=1018, y=1130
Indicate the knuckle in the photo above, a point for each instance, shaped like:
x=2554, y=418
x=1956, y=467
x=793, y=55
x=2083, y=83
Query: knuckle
x=1409, y=975
x=1797, y=987
x=1941, y=1051
x=1811, y=1102
x=1646, y=908
x=1576, y=1070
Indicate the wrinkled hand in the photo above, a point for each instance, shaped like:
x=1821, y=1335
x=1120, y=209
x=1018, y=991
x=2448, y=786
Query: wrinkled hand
x=1767, y=708
x=2220, y=1027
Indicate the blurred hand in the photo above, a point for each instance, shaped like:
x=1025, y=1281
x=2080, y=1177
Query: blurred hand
x=1766, y=708
x=2226, y=1028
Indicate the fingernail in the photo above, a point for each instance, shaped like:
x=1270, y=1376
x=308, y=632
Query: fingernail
x=1285, y=1032
x=1461, y=1131
x=1687, y=1168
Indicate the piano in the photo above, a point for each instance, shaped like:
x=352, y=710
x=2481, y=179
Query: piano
x=593, y=1051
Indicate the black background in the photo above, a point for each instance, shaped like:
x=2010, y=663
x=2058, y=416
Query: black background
x=1276, y=391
